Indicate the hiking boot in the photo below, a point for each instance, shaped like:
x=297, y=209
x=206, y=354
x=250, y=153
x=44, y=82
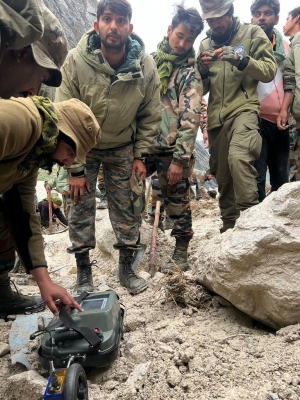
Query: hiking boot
x=128, y=279
x=179, y=259
x=13, y=302
x=227, y=225
x=84, y=273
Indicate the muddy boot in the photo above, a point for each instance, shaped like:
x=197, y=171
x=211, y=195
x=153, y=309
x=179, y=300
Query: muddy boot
x=13, y=302
x=227, y=225
x=179, y=259
x=132, y=282
x=84, y=273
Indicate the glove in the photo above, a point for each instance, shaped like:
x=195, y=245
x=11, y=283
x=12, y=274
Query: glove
x=203, y=69
x=230, y=55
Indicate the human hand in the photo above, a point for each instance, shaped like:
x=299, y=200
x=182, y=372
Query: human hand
x=77, y=186
x=174, y=174
x=52, y=292
x=230, y=55
x=48, y=187
x=139, y=167
x=205, y=140
x=282, y=120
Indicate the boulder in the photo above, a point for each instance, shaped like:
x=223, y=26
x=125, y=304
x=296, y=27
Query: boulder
x=255, y=266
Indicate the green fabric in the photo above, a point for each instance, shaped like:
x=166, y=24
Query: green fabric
x=166, y=61
x=57, y=201
x=279, y=53
x=48, y=139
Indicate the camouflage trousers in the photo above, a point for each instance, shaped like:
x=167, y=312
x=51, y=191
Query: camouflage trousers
x=176, y=198
x=117, y=166
x=66, y=204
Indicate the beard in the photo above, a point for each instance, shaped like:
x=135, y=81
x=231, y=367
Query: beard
x=113, y=46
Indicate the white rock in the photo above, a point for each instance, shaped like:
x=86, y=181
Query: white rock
x=255, y=266
x=138, y=376
x=27, y=385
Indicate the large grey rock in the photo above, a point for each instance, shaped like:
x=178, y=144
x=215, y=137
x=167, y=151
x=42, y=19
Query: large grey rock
x=75, y=16
x=255, y=266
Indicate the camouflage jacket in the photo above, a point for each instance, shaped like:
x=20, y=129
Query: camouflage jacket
x=291, y=76
x=181, y=110
x=203, y=118
x=232, y=91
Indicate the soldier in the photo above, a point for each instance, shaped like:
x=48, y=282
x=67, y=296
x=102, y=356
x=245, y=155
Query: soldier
x=127, y=107
x=275, y=143
x=291, y=73
x=49, y=135
x=61, y=183
x=23, y=67
x=23, y=70
x=181, y=93
x=233, y=58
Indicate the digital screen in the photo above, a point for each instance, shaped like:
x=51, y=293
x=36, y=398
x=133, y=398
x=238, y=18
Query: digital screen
x=93, y=304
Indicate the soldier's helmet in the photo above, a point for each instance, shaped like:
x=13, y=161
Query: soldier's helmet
x=24, y=23
x=51, y=50
x=214, y=8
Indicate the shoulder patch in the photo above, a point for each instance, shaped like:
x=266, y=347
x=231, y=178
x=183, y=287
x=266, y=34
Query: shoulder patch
x=240, y=50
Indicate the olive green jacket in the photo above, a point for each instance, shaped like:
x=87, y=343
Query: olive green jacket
x=232, y=91
x=291, y=76
x=125, y=102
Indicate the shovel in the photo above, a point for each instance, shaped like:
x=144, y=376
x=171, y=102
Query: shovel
x=138, y=255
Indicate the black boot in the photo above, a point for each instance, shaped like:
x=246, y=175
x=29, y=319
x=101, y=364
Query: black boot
x=84, y=273
x=132, y=282
x=227, y=225
x=13, y=302
x=179, y=258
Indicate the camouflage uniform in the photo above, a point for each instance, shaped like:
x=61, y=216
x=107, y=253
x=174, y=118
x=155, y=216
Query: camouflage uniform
x=175, y=143
x=60, y=182
x=198, y=178
x=128, y=110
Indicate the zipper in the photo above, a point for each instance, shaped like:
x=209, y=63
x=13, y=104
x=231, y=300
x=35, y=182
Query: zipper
x=244, y=91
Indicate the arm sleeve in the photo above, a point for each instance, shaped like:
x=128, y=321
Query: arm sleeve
x=289, y=74
x=149, y=112
x=24, y=222
x=190, y=96
x=262, y=65
x=203, y=119
x=61, y=216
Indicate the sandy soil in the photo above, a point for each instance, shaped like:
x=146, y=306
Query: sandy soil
x=201, y=351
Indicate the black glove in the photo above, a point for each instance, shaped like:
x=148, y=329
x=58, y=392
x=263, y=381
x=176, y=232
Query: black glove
x=230, y=55
x=203, y=69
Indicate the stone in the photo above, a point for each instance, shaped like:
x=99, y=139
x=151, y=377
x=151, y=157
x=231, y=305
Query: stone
x=173, y=377
x=255, y=266
x=4, y=349
x=27, y=385
x=139, y=375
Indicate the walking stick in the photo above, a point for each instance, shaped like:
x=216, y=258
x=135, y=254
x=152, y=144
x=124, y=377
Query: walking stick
x=50, y=229
x=152, y=262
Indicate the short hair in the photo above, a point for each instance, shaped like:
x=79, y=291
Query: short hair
x=189, y=17
x=230, y=12
x=121, y=7
x=274, y=4
x=294, y=12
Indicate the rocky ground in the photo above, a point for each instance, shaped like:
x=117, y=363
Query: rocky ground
x=203, y=349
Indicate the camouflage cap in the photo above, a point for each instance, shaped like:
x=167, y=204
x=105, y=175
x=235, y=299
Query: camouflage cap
x=51, y=50
x=214, y=8
x=76, y=120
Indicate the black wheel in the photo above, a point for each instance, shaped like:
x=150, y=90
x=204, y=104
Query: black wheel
x=76, y=384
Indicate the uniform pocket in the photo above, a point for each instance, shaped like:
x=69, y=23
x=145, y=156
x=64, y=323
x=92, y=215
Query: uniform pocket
x=254, y=139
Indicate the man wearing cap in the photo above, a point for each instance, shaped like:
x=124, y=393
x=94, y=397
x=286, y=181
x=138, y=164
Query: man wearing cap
x=23, y=69
x=43, y=207
x=233, y=58
x=110, y=71
x=50, y=134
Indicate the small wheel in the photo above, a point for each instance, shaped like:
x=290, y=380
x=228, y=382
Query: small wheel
x=76, y=384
